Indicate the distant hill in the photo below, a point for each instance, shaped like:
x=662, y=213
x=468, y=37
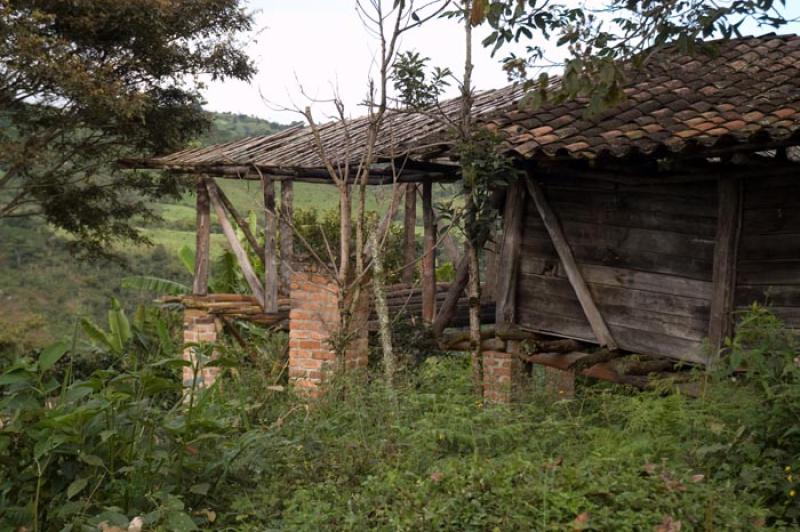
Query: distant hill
x=228, y=127
x=43, y=288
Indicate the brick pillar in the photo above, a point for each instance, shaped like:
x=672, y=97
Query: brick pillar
x=314, y=322
x=199, y=327
x=501, y=376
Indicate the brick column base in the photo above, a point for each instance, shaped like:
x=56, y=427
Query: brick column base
x=502, y=373
x=199, y=327
x=315, y=325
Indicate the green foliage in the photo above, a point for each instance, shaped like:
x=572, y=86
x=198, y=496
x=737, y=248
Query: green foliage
x=411, y=81
x=102, y=435
x=87, y=83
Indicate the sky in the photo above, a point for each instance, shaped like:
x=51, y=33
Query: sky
x=322, y=46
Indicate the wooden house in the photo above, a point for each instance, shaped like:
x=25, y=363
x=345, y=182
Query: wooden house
x=647, y=227
x=642, y=229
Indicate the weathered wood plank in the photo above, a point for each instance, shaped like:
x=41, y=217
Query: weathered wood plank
x=270, y=245
x=770, y=247
x=236, y=247
x=410, y=234
x=606, y=236
x=778, y=272
x=771, y=221
x=545, y=286
x=202, y=241
x=622, y=215
x=724, y=277
x=595, y=318
x=508, y=256
x=768, y=295
x=645, y=261
x=646, y=321
x=623, y=278
x=706, y=190
x=429, y=254
x=286, y=234
x=644, y=342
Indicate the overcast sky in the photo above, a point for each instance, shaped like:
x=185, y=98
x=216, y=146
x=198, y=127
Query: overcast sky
x=322, y=44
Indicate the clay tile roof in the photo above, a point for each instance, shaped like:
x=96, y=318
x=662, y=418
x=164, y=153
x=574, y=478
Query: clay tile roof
x=746, y=89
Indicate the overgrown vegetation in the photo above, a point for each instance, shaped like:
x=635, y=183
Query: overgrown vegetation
x=93, y=434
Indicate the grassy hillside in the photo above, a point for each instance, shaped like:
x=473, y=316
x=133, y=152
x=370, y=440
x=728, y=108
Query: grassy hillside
x=41, y=283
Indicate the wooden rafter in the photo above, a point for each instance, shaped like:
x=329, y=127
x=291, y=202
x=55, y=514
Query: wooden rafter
x=554, y=229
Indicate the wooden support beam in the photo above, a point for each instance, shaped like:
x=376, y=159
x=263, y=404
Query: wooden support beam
x=240, y=221
x=270, y=248
x=729, y=221
x=508, y=257
x=554, y=229
x=429, y=255
x=410, y=235
x=287, y=236
x=236, y=247
x=202, y=241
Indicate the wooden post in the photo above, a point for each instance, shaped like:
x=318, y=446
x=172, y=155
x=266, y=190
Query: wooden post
x=729, y=214
x=508, y=257
x=270, y=251
x=236, y=246
x=429, y=254
x=551, y=223
x=286, y=234
x=202, y=241
x=410, y=226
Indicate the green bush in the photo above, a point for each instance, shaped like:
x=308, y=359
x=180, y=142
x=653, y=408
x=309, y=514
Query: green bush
x=93, y=434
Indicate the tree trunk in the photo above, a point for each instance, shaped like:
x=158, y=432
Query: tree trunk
x=474, y=292
x=382, y=311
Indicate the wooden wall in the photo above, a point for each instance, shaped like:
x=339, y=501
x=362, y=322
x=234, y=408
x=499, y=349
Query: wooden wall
x=646, y=254
x=768, y=266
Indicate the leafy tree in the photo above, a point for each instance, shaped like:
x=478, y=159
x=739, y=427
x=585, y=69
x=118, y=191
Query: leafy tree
x=83, y=84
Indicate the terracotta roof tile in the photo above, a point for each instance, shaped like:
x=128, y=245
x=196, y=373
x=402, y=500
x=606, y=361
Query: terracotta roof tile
x=749, y=90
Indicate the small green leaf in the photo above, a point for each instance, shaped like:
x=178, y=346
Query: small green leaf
x=92, y=460
x=76, y=487
x=180, y=522
x=200, y=489
x=52, y=354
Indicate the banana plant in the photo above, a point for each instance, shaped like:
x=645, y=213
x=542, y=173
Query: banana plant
x=119, y=333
